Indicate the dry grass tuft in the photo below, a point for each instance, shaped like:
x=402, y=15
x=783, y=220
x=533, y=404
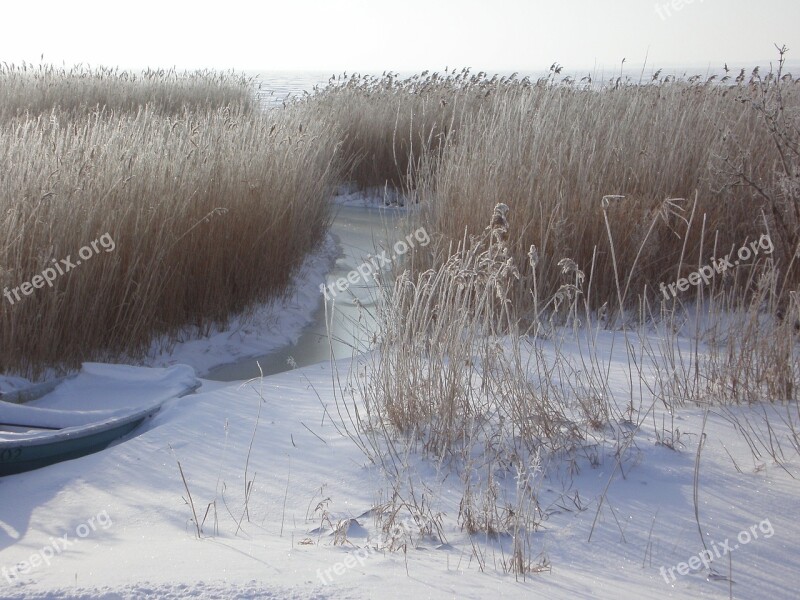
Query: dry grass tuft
x=454, y=379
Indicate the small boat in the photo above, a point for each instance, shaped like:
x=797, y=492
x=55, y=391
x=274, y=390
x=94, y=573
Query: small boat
x=33, y=437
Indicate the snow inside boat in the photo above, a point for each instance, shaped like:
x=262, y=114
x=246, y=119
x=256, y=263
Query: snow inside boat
x=48, y=430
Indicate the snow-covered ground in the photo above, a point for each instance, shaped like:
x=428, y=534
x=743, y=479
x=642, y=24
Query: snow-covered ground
x=271, y=473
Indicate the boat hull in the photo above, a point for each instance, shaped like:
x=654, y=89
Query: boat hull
x=33, y=452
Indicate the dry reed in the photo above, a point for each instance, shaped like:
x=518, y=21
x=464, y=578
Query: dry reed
x=460, y=143
x=33, y=90
x=210, y=210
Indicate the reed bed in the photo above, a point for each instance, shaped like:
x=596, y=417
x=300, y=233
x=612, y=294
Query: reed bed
x=210, y=210
x=34, y=90
x=390, y=124
x=636, y=184
x=687, y=163
x=642, y=166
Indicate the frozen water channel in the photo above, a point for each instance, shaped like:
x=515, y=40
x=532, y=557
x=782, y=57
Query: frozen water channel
x=360, y=232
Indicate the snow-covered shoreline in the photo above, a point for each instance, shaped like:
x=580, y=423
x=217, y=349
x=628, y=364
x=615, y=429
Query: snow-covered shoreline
x=307, y=475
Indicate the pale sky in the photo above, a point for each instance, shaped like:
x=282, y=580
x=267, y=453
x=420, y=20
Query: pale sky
x=401, y=35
